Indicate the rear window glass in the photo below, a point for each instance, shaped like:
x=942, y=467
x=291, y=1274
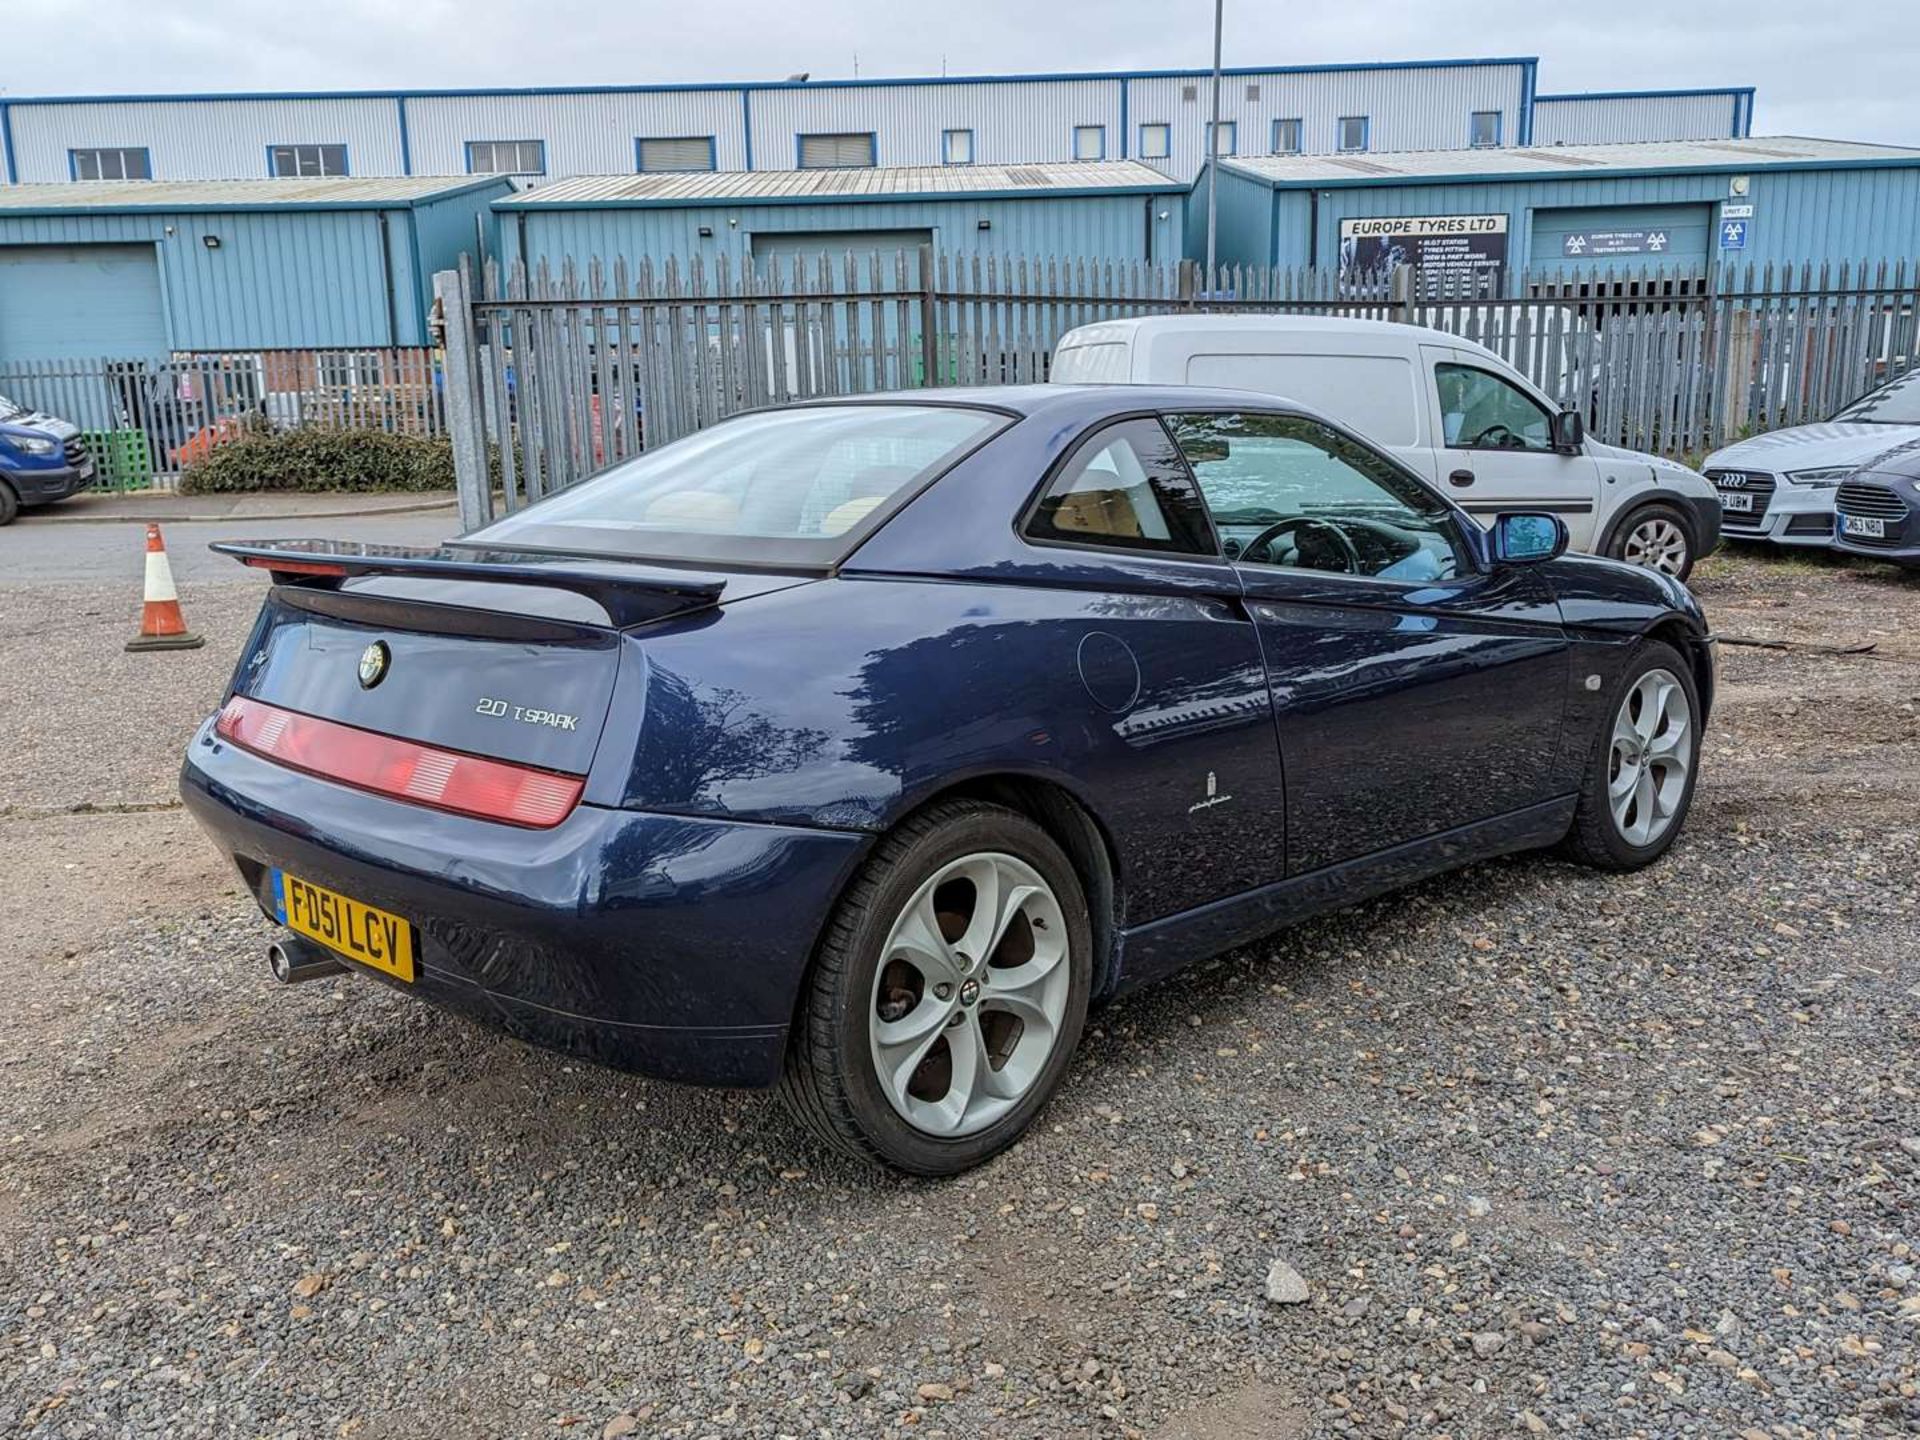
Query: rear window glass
x=796, y=486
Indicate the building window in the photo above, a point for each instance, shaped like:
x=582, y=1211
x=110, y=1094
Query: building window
x=838, y=152
x=506, y=157
x=344, y=369
x=1353, y=132
x=1286, y=137
x=1485, y=134
x=111, y=162
x=674, y=152
x=1089, y=142
x=1229, y=143
x=1156, y=142
x=956, y=147
x=290, y=160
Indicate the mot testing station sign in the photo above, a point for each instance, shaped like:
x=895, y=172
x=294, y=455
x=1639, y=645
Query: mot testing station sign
x=1581, y=244
x=1447, y=248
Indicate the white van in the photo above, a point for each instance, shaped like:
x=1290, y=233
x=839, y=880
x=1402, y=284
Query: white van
x=1451, y=410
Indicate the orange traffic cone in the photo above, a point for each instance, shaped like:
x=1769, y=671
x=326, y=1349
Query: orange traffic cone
x=162, y=627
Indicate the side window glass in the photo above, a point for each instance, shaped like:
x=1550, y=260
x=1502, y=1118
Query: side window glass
x=1480, y=410
x=1127, y=487
x=1287, y=491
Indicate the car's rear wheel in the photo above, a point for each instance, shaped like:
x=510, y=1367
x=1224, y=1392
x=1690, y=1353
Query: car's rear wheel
x=948, y=995
x=1639, y=782
x=1655, y=537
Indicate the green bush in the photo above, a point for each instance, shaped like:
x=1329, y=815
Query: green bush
x=322, y=459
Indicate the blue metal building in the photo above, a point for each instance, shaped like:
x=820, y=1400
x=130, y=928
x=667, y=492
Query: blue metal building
x=1680, y=204
x=139, y=269
x=1160, y=117
x=1112, y=210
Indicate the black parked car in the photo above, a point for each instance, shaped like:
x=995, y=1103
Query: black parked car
x=1877, y=508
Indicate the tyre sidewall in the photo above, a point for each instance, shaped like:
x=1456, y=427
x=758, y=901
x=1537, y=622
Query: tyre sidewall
x=1653, y=655
x=9, y=503
x=898, y=1142
x=1660, y=510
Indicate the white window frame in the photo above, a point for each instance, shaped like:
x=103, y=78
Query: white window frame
x=518, y=149
x=300, y=152
x=96, y=154
x=1365, y=122
x=948, y=146
x=1474, y=142
x=1299, y=136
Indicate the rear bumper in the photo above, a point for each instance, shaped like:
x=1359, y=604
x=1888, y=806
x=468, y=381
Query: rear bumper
x=1706, y=524
x=673, y=947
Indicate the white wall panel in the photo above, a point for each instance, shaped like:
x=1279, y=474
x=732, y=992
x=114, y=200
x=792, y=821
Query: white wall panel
x=206, y=139
x=1407, y=109
x=1010, y=120
x=1606, y=119
x=586, y=134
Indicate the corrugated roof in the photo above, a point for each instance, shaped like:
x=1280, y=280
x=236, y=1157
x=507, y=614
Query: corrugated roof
x=748, y=187
x=359, y=192
x=1389, y=167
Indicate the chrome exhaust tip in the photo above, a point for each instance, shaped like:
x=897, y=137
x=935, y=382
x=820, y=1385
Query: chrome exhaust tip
x=293, y=960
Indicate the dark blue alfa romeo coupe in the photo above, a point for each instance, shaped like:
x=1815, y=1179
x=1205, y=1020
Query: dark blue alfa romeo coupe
x=856, y=747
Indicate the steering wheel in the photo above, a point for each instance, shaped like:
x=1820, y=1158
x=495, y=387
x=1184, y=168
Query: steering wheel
x=1498, y=435
x=1349, y=554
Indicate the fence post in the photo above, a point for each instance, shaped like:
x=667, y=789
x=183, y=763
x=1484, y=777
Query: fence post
x=1736, y=372
x=1403, y=288
x=1185, y=285
x=465, y=425
x=929, y=322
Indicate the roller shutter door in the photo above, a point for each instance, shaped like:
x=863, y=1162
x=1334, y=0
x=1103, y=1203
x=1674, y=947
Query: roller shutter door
x=66, y=302
x=1622, y=237
x=836, y=245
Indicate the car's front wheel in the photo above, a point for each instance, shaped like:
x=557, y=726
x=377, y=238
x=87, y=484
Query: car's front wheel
x=1639, y=782
x=1656, y=537
x=9, y=504
x=948, y=995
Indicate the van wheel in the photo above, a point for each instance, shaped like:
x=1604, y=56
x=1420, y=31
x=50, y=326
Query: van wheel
x=1655, y=537
x=948, y=994
x=9, y=504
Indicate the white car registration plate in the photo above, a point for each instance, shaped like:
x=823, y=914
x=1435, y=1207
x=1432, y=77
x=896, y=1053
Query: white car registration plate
x=1864, y=525
x=1734, y=500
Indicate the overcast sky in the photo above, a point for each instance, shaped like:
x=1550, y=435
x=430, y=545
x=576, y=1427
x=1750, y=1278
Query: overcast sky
x=1846, y=71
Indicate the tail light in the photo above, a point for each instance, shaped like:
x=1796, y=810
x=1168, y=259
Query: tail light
x=402, y=769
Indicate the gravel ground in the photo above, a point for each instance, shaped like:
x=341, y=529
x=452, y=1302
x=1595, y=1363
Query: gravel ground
x=1549, y=1152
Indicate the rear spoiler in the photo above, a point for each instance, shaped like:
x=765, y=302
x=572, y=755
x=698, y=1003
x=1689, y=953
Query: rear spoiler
x=631, y=594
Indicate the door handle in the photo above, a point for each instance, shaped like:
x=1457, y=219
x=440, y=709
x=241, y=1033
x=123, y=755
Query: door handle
x=1461, y=477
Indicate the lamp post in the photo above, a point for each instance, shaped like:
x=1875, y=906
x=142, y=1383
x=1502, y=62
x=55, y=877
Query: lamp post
x=1213, y=141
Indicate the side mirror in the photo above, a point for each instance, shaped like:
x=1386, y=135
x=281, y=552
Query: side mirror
x=1569, y=431
x=1527, y=539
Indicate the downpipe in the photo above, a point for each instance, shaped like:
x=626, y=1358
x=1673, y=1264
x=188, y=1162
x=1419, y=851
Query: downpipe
x=293, y=959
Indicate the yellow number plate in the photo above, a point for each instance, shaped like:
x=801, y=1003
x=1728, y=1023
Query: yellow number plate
x=345, y=926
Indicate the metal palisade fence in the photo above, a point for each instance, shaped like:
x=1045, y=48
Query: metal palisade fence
x=145, y=420
x=552, y=375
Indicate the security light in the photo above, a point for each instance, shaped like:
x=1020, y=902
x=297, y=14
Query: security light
x=212, y=242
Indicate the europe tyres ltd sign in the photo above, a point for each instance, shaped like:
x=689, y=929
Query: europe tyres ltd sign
x=1444, y=248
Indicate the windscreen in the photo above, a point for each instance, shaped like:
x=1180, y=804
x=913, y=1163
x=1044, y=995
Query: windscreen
x=1896, y=403
x=798, y=487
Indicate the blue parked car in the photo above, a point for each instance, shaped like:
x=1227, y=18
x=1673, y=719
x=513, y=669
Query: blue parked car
x=41, y=459
x=856, y=747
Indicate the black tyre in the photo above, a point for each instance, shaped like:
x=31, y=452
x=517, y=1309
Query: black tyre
x=1639, y=781
x=1656, y=537
x=948, y=994
x=9, y=504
